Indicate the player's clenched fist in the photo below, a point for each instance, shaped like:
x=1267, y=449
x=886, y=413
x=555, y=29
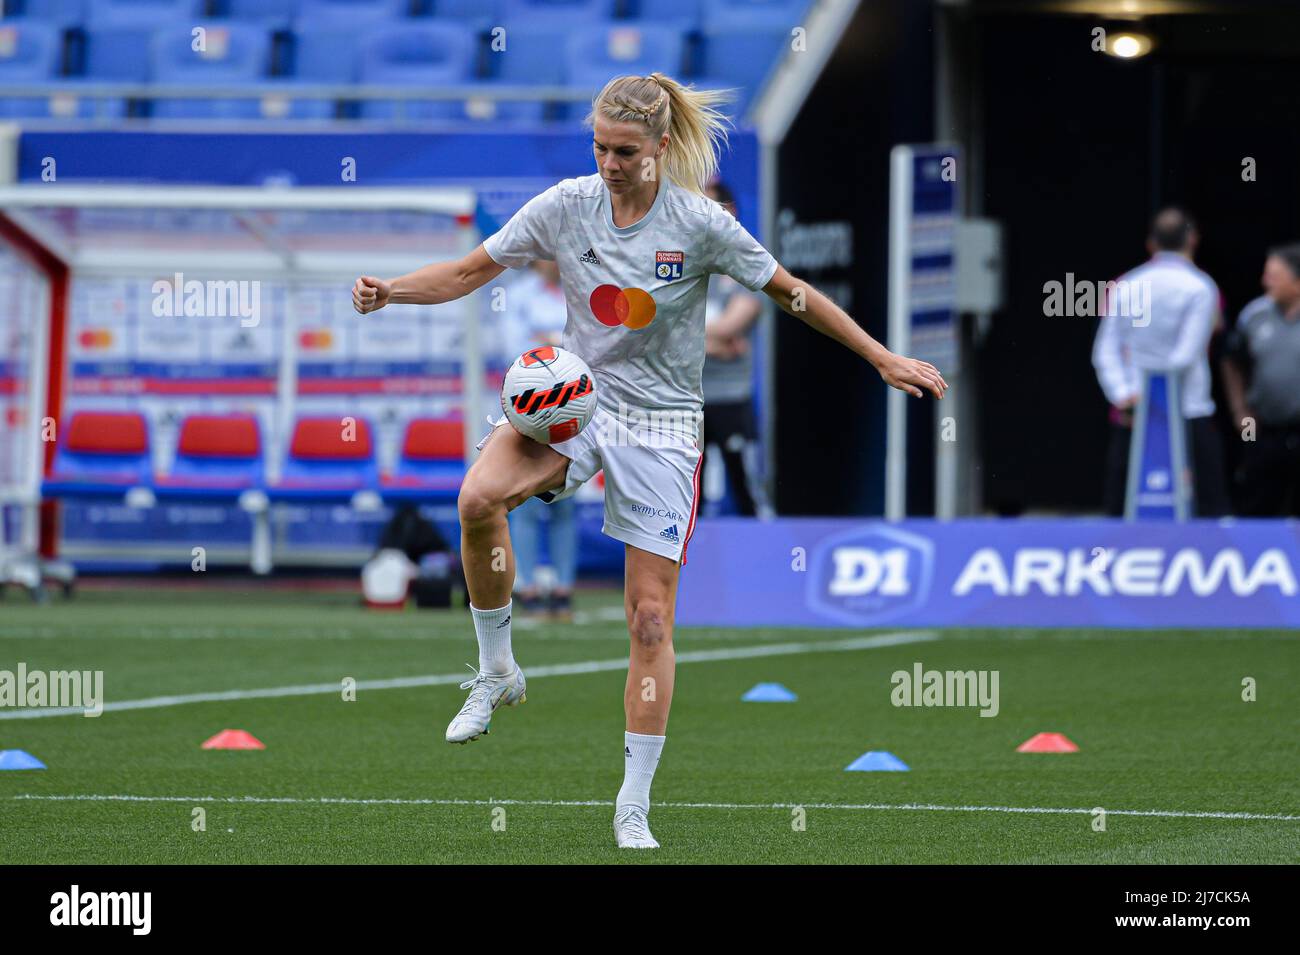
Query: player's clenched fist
x=370, y=294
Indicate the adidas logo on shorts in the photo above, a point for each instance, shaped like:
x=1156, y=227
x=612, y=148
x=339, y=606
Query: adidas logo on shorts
x=669, y=533
x=589, y=257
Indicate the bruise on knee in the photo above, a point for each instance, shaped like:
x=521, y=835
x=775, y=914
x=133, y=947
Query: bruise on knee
x=648, y=625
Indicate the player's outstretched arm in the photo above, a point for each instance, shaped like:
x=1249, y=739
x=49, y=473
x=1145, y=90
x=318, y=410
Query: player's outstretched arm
x=430, y=285
x=806, y=303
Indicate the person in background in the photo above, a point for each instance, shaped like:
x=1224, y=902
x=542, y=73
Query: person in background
x=1185, y=309
x=730, y=314
x=535, y=316
x=1261, y=377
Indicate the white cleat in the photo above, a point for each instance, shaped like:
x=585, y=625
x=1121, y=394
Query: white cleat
x=632, y=829
x=486, y=693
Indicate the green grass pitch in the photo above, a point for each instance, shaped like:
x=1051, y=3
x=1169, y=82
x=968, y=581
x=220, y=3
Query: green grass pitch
x=1158, y=717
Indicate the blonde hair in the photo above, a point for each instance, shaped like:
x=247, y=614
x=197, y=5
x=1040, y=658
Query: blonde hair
x=696, y=128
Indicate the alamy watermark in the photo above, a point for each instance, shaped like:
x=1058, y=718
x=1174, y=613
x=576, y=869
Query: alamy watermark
x=648, y=427
x=64, y=689
x=922, y=687
x=1076, y=298
x=213, y=298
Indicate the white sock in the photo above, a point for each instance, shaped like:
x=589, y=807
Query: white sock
x=640, y=759
x=493, y=629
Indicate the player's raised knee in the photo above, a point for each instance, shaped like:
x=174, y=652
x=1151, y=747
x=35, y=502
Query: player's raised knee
x=476, y=505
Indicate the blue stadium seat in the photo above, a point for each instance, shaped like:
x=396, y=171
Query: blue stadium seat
x=30, y=52
x=479, y=14
x=60, y=13
x=753, y=14
x=147, y=13
x=569, y=13
x=359, y=15
x=684, y=14
x=236, y=53
x=419, y=55
x=275, y=14
x=118, y=53
x=529, y=59
x=324, y=54
x=742, y=57
x=594, y=57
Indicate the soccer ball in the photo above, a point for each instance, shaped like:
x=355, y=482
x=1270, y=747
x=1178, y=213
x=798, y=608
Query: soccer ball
x=549, y=394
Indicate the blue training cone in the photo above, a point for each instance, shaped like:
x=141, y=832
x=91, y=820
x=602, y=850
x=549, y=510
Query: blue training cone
x=17, y=759
x=877, y=761
x=768, y=693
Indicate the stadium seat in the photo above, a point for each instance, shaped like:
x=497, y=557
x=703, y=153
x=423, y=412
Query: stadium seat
x=275, y=14
x=684, y=14
x=594, y=57
x=101, y=452
x=324, y=54
x=322, y=464
x=30, y=52
x=235, y=54
x=59, y=13
x=355, y=14
x=752, y=14
x=741, y=58
x=479, y=14
x=118, y=54
x=418, y=55
x=529, y=59
x=432, y=462
x=589, y=13
x=216, y=456
x=146, y=13
x=33, y=52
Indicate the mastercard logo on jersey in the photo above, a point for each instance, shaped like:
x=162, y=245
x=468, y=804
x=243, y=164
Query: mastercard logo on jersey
x=549, y=394
x=630, y=307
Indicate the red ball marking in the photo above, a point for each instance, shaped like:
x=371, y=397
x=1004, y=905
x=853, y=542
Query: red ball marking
x=563, y=430
x=604, y=304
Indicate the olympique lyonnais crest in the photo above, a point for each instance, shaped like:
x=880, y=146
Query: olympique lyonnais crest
x=668, y=266
x=533, y=401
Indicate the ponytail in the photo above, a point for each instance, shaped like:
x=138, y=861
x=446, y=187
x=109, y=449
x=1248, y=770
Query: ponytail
x=696, y=128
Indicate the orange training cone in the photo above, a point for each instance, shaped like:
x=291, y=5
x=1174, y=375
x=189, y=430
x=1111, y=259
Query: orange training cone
x=234, y=739
x=1048, y=743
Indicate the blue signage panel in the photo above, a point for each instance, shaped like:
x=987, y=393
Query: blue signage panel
x=1157, y=476
x=932, y=267
x=816, y=572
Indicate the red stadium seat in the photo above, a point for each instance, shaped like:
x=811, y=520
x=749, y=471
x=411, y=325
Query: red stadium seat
x=324, y=439
x=434, y=439
x=106, y=432
x=431, y=466
x=216, y=436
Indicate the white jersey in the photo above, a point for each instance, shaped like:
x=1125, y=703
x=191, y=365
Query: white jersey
x=635, y=295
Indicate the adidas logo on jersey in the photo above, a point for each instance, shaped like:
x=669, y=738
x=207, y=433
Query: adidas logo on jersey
x=669, y=533
x=589, y=257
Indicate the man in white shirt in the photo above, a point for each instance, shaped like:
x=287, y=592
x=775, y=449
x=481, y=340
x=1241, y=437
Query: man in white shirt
x=1174, y=336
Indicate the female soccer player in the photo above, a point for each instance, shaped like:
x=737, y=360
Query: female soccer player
x=636, y=244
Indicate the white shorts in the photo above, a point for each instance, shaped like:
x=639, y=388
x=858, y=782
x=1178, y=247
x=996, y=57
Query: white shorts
x=652, y=481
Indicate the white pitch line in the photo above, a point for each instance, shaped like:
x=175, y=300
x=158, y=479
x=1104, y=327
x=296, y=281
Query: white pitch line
x=442, y=679
x=858, y=807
